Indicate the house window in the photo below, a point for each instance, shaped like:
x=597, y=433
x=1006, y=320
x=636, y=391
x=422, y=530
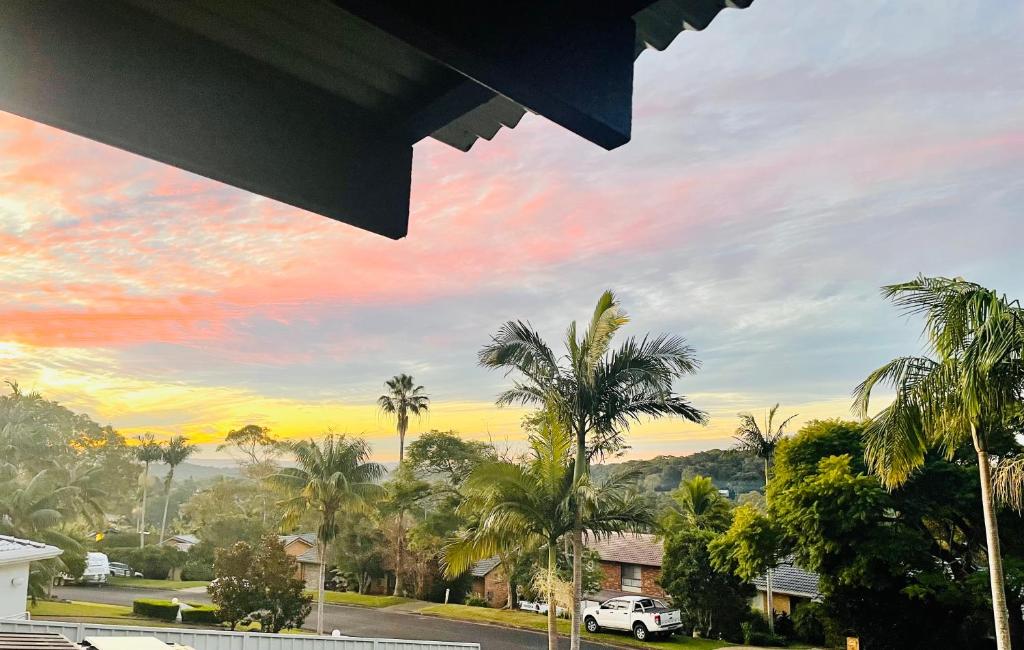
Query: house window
x=631, y=577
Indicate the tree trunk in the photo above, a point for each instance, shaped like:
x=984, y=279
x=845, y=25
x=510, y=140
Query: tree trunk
x=142, y=515
x=579, y=471
x=552, y=606
x=398, y=554
x=167, y=502
x=402, y=427
x=769, y=595
x=322, y=548
x=995, y=558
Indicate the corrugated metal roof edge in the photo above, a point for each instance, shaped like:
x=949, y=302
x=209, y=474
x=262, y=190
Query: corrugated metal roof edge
x=657, y=27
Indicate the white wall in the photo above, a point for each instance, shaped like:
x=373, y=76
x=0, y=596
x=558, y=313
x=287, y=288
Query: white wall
x=12, y=596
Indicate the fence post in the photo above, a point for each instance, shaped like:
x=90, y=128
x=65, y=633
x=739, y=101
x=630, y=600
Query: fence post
x=80, y=633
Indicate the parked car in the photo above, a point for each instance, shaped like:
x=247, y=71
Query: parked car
x=644, y=617
x=97, y=570
x=123, y=570
x=540, y=607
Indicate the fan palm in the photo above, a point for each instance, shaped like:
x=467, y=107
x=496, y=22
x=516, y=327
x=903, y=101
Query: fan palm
x=535, y=503
x=403, y=398
x=330, y=478
x=696, y=503
x=595, y=391
x=175, y=452
x=148, y=451
x=964, y=392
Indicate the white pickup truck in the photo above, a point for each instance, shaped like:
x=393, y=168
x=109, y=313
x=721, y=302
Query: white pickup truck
x=644, y=617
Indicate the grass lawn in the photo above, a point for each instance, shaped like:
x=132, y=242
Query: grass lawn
x=79, y=612
x=146, y=583
x=533, y=621
x=359, y=600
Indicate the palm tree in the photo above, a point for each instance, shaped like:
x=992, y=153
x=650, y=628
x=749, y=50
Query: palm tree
x=147, y=451
x=330, y=479
x=696, y=503
x=37, y=509
x=535, y=503
x=403, y=398
x=175, y=452
x=752, y=439
x=595, y=391
x=965, y=391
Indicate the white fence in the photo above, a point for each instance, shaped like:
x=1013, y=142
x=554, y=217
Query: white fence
x=211, y=640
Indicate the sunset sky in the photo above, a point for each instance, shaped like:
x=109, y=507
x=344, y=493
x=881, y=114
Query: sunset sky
x=785, y=163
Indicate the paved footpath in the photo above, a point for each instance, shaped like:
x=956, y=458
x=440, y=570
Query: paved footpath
x=390, y=622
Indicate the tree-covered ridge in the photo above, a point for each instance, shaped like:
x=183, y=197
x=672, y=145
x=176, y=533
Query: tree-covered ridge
x=728, y=469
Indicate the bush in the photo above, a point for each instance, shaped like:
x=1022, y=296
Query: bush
x=473, y=600
x=809, y=623
x=203, y=614
x=154, y=562
x=164, y=610
x=753, y=636
x=784, y=625
x=196, y=569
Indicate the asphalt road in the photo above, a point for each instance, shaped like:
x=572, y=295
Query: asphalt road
x=355, y=621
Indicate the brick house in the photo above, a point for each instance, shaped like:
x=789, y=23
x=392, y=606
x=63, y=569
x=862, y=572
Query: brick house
x=302, y=547
x=630, y=564
x=490, y=582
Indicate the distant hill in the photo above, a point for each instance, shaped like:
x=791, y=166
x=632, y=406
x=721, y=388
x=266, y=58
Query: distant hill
x=728, y=469
x=195, y=472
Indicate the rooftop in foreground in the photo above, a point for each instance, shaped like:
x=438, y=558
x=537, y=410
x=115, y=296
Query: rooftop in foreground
x=318, y=104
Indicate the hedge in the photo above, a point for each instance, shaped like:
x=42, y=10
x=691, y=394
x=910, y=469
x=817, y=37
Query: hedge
x=164, y=610
x=205, y=614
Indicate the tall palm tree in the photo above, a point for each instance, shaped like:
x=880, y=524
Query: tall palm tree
x=595, y=391
x=175, y=452
x=753, y=440
x=534, y=503
x=329, y=479
x=148, y=451
x=403, y=398
x=968, y=387
x=696, y=503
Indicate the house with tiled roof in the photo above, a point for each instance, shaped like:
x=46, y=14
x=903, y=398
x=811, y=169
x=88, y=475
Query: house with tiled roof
x=490, y=581
x=630, y=564
x=791, y=587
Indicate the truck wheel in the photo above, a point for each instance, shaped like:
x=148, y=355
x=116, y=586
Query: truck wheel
x=591, y=624
x=640, y=631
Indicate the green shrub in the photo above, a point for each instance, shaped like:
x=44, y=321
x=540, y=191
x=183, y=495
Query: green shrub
x=164, y=610
x=784, y=625
x=153, y=562
x=474, y=600
x=196, y=569
x=204, y=614
x=809, y=623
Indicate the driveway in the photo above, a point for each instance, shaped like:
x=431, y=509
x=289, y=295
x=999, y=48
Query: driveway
x=356, y=621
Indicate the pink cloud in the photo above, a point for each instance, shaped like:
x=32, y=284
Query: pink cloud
x=111, y=249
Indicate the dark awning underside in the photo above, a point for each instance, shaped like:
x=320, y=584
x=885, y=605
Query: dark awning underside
x=317, y=103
